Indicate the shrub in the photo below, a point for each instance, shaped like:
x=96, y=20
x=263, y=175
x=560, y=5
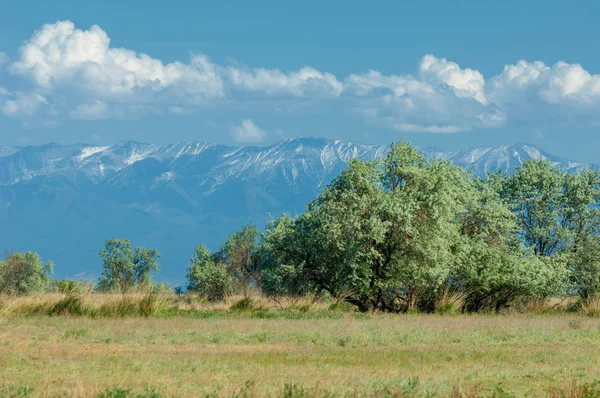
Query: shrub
x=124, y=267
x=207, y=276
x=24, y=273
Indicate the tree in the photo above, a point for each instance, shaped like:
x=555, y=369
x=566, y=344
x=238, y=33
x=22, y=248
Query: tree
x=585, y=268
x=537, y=196
x=380, y=234
x=124, y=267
x=208, y=276
x=240, y=253
x=394, y=234
x=24, y=273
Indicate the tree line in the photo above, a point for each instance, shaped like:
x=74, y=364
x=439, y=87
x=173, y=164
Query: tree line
x=394, y=234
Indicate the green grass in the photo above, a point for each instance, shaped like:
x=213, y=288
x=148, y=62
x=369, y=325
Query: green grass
x=240, y=354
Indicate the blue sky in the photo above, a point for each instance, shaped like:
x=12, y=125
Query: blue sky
x=446, y=73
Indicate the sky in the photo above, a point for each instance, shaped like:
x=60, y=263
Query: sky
x=449, y=74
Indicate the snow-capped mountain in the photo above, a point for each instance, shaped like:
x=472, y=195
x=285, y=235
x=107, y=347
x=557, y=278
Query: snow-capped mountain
x=483, y=160
x=64, y=200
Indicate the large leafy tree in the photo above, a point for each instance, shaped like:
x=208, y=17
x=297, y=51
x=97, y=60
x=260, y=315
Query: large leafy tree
x=558, y=214
x=392, y=234
x=24, y=273
x=582, y=217
x=494, y=268
x=125, y=267
x=379, y=235
x=536, y=193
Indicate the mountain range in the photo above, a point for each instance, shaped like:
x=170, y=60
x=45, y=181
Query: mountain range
x=63, y=201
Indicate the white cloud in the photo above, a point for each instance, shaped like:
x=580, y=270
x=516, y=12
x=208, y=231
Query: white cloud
x=465, y=83
x=58, y=54
x=3, y=58
x=442, y=98
x=248, y=132
x=533, y=93
x=302, y=83
x=77, y=73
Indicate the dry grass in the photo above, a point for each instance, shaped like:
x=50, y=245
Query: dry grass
x=591, y=308
x=450, y=303
x=378, y=355
x=147, y=304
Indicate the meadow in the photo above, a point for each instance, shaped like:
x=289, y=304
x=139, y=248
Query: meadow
x=291, y=349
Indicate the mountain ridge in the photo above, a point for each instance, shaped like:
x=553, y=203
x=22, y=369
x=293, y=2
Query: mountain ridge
x=102, y=161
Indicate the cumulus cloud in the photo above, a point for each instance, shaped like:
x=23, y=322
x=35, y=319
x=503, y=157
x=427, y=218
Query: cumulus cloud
x=77, y=74
x=248, y=132
x=533, y=93
x=464, y=83
x=442, y=98
x=59, y=54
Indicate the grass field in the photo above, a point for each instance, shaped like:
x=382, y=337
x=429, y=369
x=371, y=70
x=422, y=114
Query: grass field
x=356, y=355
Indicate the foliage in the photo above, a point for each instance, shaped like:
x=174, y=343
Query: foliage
x=207, y=275
x=389, y=234
x=24, y=273
x=241, y=255
x=558, y=213
x=585, y=268
x=124, y=267
x=536, y=194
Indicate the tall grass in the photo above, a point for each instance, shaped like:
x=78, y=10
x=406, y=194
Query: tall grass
x=450, y=302
x=87, y=303
x=84, y=301
x=591, y=307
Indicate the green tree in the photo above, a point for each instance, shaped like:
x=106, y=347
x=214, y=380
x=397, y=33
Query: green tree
x=125, y=267
x=24, y=273
x=393, y=234
x=558, y=214
x=585, y=268
x=241, y=254
x=536, y=193
x=381, y=233
x=208, y=276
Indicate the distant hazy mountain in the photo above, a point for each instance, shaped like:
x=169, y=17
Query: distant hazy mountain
x=64, y=200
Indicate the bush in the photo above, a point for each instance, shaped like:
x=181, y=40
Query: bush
x=125, y=268
x=24, y=273
x=207, y=276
